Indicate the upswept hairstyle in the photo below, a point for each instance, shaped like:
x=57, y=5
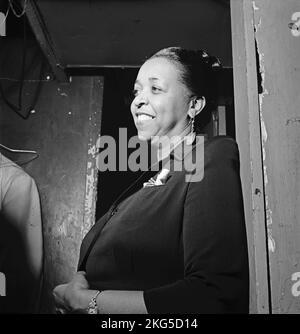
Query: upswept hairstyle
x=198, y=72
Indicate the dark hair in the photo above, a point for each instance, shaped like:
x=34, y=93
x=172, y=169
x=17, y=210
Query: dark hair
x=198, y=71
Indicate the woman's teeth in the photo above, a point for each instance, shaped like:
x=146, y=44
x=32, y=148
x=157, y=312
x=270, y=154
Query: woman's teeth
x=144, y=117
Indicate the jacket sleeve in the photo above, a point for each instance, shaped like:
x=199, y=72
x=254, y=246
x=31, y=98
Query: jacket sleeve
x=21, y=205
x=22, y=224
x=214, y=242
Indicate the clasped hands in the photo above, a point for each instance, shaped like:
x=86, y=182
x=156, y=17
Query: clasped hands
x=73, y=297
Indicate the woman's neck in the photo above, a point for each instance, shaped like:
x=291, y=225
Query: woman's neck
x=167, y=143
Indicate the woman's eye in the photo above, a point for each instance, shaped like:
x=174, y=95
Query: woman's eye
x=135, y=92
x=156, y=89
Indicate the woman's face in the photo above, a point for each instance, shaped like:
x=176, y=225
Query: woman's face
x=161, y=100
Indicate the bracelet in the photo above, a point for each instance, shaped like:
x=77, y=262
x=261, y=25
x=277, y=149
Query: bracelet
x=93, y=307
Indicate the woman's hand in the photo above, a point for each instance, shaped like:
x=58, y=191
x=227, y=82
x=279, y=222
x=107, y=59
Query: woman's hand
x=73, y=296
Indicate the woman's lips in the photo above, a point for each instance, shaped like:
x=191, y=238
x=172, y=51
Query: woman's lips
x=144, y=119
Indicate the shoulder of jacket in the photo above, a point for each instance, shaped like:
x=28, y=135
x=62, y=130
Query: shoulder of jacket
x=11, y=172
x=216, y=151
x=218, y=146
x=221, y=147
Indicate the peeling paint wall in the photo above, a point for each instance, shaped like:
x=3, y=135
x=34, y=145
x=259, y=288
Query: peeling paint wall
x=94, y=122
x=278, y=47
x=63, y=130
x=248, y=135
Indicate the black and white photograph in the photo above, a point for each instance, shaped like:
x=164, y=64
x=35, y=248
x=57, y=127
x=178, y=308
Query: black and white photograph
x=149, y=160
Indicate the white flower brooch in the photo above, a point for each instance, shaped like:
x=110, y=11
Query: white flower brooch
x=160, y=179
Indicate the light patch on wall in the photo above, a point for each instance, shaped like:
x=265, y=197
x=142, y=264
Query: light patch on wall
x=92, y=150
x=265, y=171
x=261, y=59
x=90, y=190
x=254, y=6
x=264, y=133
x=271, y=241
x=2, y=24
x=264, y=137
x=295, y=25
x=62, y=229
x=263, y=77
x=61, y=93
x=89, y=199
x=2, y=285
x=268, y=213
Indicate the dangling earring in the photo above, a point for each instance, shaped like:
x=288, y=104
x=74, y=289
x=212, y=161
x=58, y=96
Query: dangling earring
x=190, y=138
x=193, y=125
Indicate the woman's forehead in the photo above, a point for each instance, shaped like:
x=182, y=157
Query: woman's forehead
x=159, y=69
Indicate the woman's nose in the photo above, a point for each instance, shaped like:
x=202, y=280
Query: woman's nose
x=140, y=100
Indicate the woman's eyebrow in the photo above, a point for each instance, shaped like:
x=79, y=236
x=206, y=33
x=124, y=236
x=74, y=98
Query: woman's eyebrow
x=160, y=81
x=137, y=82
x=151, y=79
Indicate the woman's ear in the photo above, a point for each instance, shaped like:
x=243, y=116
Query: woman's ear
x=196, y=105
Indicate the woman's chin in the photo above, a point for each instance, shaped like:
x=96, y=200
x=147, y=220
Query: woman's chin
x=143, y=136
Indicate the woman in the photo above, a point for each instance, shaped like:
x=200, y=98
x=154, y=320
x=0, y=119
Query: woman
x=167, y=245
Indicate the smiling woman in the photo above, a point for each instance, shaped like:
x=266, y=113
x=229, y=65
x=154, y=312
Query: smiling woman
x=161, y=100
x=168, y=244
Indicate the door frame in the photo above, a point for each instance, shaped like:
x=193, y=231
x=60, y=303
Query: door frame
x=248, y=136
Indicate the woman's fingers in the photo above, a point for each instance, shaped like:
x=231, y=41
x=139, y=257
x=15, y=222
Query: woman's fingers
x=60, y=311
x=59, y=295
x=81, y=273
x=68, y=296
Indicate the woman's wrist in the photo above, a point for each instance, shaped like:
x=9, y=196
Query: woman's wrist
x=84, y=298
x=93, y=307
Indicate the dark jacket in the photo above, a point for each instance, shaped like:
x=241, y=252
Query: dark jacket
x=182, y=243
